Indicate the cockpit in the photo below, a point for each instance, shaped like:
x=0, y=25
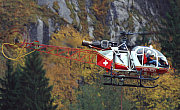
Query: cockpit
x=149, y=57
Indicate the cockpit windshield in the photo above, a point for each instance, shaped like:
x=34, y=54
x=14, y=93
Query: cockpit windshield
x=150, y=57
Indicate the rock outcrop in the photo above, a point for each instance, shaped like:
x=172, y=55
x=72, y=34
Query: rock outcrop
x=122, y=15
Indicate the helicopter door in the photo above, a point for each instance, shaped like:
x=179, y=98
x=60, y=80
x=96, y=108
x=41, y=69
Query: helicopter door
x=140, y=55
x=121, y=60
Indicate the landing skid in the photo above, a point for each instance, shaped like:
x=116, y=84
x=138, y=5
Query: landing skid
x=118, y=80
x=130, y=85
x=129, y=77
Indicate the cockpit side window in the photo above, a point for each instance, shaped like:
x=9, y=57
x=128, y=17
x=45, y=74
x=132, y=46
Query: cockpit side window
x=162, y=62
x=151, y=59
x=140, y=55
x=140, y=51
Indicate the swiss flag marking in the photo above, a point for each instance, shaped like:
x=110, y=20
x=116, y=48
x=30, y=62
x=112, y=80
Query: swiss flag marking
x=103, y=62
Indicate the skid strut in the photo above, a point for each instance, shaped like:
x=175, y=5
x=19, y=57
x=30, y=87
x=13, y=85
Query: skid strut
x=118, y=80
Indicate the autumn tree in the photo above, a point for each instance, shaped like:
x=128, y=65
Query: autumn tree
x=165, y=96
x=66, y=74
x=60, y=70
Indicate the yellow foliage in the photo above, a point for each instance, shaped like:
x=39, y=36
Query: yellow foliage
x=56, y=6
x=156, y=46
x=22, y=13
x=15, y=53
x=165, y=96
x=65, y=74
x=100, y=7
x=83, y=15
x=68, y=36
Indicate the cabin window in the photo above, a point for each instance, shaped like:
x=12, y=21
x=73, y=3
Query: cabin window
x=162, y=62
x=140, y=55
x=140, y=51
x=150, y=58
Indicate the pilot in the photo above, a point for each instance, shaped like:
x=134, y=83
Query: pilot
x=151, y=58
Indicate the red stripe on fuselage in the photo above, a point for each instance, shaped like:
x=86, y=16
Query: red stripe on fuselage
x=152, y=70
x=119, y=66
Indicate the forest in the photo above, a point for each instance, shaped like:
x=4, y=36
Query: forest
x=33, y=80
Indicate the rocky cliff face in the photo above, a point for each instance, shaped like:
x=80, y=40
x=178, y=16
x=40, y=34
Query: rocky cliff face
x=135, y=16
x=116, y=16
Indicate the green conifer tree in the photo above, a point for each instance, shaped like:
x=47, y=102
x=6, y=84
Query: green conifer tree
x=97, y=96
x=35, y=89
x=171, y=34
x=9, y=89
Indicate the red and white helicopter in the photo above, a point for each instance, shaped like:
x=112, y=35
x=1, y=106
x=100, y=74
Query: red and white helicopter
x=121, y=63
x=142, y=60
x=122, y=59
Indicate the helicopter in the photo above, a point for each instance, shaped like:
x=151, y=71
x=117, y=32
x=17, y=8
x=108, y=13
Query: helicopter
x=128, y=60
x=118, y=60
x=142, y=60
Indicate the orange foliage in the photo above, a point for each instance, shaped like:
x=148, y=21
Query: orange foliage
x=65, y=74
x=165, y=96
x=67, y=36
x=58, y=70
x=83, y=15
x=101, y=8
